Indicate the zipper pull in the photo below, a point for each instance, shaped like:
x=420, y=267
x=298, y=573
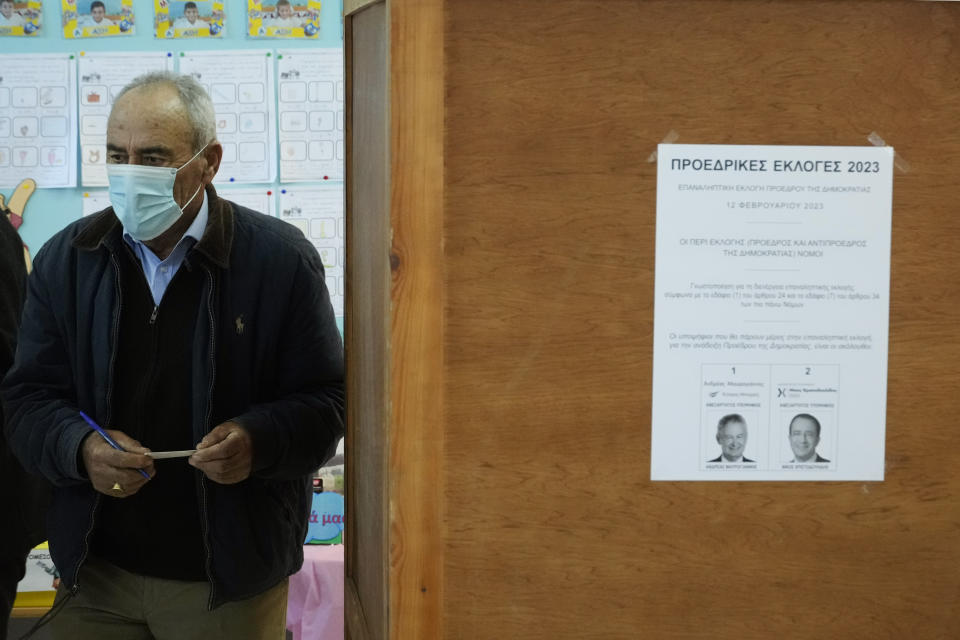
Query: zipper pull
x=153, y=316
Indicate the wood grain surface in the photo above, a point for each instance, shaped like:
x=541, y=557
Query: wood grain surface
x=552, y=528
x=367, y=322
x=416, y=430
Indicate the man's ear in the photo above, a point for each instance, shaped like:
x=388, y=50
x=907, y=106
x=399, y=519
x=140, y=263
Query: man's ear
x=213, y=154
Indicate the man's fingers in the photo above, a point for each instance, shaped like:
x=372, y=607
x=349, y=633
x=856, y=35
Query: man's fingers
x=225, y=448
x=217, y=435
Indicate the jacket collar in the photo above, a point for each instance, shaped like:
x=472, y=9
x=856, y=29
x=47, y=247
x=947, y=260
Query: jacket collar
x=105, y=229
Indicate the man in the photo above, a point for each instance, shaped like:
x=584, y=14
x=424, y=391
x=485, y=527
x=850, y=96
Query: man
x=804, y=433
x=175, y=320
x=21, y=497
x=190, y=19
x=732, y=438
x=285, y=17
x=97, y=18
x=8, y=17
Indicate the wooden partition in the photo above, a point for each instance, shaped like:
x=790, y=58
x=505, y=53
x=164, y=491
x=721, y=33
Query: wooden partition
x=504, y=464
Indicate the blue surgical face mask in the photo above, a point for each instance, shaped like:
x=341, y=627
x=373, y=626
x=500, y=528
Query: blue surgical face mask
x=142, y=197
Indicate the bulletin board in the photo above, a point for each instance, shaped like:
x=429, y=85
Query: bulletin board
x=50, y=209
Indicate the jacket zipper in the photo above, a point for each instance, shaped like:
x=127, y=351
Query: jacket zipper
x=109, y=406
x=206, y=422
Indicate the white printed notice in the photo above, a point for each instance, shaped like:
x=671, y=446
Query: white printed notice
x=771, y=312
x=102, y=76
x=311, y=115
x=318, y=213
x=38, y=129
x=260, y=199
x=240, y=83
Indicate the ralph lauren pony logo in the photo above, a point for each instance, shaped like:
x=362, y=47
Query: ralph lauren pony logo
x=240, y=325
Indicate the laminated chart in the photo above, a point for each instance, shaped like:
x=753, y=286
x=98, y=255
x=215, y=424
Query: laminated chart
x=94, y=201
x=21, y=18
x=183, y=19
x=104, y=18
x=283, y=19
x=102, y=76
x=240, y=83
x=260, y=199
x=318, y=213
x=310, y=110
x=38, y=132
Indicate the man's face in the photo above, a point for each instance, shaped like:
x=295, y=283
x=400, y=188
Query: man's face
x=733, y=440
x=6, y=9
x=192, y=14
x=285, y=10
x=98, y=12
x=149, y=126
x=804, y=439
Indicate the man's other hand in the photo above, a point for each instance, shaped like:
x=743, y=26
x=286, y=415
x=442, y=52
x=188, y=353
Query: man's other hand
x=225, y=455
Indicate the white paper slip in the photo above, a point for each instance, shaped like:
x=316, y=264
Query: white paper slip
x=159, y=455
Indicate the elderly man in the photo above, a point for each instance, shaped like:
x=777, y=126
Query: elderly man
x=732, y=438
x=804, y=433
x=176, y=320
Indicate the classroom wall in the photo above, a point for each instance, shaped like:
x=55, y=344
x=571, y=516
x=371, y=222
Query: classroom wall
x=49, y=210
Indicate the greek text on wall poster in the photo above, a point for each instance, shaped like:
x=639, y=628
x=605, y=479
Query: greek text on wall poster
x=771, y=312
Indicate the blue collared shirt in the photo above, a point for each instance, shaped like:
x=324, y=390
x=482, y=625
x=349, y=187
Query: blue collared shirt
x=159, y=272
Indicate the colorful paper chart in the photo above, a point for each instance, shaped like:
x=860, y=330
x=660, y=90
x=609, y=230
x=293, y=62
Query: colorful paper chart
x=188, y=19
x=97, y=18
x=25, y=20
x=294, y=19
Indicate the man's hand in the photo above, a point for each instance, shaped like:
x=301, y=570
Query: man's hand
x=113, y=472
x=225, y=455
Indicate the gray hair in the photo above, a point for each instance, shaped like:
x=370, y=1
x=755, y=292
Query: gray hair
x=194, y=98
x=729, y=419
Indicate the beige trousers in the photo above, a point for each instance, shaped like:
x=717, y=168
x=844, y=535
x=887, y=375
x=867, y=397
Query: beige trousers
x=113, y=604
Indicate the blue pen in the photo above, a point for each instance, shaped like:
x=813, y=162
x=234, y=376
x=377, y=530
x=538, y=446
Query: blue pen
x=110, y=441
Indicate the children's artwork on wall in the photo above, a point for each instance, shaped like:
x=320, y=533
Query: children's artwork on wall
x=21, y=18
x=97, y=18
x=188, y=19
x=241, y=86
x=102, y=76
x=283, y=18
x=318, y=213
x=310, y=112
x=38, y=127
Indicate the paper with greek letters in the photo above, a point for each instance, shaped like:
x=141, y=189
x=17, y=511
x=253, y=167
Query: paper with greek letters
x=771, y=312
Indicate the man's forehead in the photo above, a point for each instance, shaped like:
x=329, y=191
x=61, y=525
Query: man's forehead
x=152, y=98
x=154, y=114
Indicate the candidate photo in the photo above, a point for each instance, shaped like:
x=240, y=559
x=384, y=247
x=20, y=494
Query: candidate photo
x=732, y=438
x=804, y=433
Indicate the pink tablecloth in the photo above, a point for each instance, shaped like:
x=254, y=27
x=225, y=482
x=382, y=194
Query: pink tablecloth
x=315, y=604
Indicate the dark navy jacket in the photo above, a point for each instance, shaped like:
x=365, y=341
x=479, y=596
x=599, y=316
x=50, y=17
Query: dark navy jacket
x=265, y=311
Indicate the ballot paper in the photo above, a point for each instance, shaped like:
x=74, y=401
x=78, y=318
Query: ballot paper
x=160, y=455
